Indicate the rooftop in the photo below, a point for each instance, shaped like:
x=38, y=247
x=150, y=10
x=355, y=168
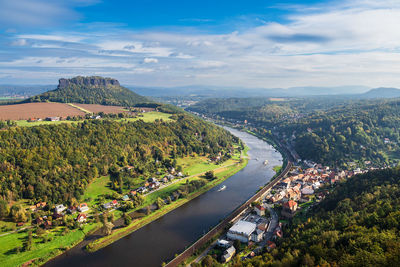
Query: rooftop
x=243, y=227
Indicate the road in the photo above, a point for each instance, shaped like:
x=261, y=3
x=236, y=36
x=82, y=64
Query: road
x=271, y=227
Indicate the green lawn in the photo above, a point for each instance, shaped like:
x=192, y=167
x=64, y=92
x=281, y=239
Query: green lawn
x=99, y=186
x=39, y=250
x=150, y=117
x=199, y=164
x=24, y=123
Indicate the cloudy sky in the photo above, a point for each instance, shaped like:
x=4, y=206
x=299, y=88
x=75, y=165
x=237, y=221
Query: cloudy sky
x=248, y=43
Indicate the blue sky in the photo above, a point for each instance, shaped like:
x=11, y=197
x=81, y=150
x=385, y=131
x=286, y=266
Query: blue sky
x=253, y=43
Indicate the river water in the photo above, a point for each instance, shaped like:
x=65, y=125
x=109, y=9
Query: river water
x=160, y=240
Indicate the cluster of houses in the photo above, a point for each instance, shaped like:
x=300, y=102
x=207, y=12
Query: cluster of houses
x=300, y=187
x=153, y=183
x=59, y=212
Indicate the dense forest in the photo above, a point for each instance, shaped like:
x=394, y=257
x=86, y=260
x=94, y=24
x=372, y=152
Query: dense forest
x=332, y=131
x=91, y=90
x=358, y=224
x=55, y=163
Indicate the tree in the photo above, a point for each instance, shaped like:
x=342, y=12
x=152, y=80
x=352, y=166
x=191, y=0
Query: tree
x=28, y=243
x=160, y=203
x=4, y=209
x=209, y=175
x=107, y=228
x=127, y=219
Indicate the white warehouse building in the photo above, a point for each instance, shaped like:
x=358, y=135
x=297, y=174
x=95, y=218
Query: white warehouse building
x=241, y=231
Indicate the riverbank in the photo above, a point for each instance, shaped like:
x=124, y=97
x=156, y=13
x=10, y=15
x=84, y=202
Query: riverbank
x=221, y=175
x=190, y=254
x=223, y=225
x=179, y=228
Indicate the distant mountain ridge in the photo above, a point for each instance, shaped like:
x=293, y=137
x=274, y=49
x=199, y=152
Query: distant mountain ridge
x=8, y=90
x=382, y=92
x=227, y=92
x=91, y=90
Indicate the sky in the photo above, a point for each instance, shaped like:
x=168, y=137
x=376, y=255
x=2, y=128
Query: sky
x=241, y=43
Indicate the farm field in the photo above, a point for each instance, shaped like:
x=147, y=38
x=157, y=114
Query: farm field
x=37, y=110
x=146, y=117
x=151, y=116
x=96, y=108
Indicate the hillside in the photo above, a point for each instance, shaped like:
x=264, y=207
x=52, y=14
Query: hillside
x=55, y=163
x=335, y=132
x=382, y=93
x=356, y=225
x=91, y=90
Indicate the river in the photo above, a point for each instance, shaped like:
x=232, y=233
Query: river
x=160, y=240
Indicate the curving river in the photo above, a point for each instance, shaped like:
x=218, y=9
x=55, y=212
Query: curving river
x=160, y=240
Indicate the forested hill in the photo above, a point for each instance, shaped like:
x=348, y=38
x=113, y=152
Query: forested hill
x=332, y=131
x=55, y=163
x=358, y=224
x=91, y=90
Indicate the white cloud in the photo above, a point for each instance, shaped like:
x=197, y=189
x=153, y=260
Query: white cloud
x=347, y=42
x=19, y=42
x=51, y=37
x=34, y=13
x=150, y=60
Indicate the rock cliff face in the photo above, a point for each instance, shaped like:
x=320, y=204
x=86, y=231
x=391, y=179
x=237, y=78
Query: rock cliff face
x=87, y=81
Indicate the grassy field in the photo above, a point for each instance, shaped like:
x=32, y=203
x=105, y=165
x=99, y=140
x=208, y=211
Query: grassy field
x=147, y=117
x=150, y=117
x=24, y=123
x=40, y=251
x=100, y=186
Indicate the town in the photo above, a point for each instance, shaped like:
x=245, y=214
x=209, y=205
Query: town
x=261, y=226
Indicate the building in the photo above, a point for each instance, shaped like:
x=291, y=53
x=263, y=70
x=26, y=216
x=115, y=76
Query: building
x=260, y=210
x=47, y=224
x=257, y=236
x=110, y=205
x=289, y=209
x=152, y=180
x=224, y=243
x=307, y=191
x=125, y=198
x=59, y=208
x=81, y=218
x=53, y=119
x=228, y=254
x=241, y=231
x=83, y=207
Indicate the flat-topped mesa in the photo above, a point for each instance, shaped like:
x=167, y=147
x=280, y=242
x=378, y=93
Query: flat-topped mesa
x=87, y=81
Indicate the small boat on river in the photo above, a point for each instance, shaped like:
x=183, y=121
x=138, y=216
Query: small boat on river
x=266, y=162
x=222, y=188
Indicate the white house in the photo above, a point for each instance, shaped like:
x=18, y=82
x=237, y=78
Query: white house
x=60, y=208
x=241, y=231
